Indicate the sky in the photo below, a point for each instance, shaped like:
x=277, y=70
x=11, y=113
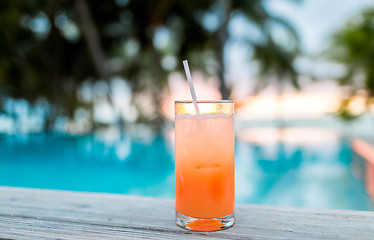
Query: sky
x=316, y=20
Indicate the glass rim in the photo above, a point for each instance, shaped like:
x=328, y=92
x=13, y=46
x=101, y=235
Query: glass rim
x=204, y=101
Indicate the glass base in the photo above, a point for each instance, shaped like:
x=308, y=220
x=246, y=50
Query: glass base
x=204, y=224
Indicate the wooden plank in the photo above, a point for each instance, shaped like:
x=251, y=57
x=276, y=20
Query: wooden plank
x=50, y=214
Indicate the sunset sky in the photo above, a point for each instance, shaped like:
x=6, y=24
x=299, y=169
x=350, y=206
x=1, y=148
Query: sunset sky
x=315, y=21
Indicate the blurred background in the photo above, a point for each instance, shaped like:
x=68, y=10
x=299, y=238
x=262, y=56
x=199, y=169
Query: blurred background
x=87, y=91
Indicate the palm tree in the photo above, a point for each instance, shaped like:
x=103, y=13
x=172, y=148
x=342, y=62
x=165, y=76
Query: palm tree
x=275, y=58
x=353, y=46
x=53, y=65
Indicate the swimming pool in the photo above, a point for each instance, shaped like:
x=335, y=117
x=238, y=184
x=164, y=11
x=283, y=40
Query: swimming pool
x=286, y=171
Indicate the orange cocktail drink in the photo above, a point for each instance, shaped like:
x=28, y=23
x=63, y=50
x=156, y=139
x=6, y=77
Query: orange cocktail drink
x=204, y=165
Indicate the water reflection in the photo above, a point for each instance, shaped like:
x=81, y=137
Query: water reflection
x=297, y=167
x=363, y=164
x=283, y=162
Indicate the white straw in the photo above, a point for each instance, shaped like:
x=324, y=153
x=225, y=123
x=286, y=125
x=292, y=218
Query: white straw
x=190, y=83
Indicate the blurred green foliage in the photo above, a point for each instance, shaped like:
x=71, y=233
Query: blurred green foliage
x=353, y=46
x=49, y=48
x=345, y=112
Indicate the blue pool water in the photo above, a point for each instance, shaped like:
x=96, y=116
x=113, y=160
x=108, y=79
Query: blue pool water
x=288, y=173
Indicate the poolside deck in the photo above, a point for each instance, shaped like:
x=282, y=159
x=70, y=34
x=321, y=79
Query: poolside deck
x=49, y=214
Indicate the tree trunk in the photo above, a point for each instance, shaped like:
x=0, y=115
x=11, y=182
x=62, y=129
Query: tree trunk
x=158, y=12
x=221, y=42
x=279, y=117
x=91, y=37
x=55, y=76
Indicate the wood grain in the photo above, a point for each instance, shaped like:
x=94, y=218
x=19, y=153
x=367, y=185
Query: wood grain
x=50, y=214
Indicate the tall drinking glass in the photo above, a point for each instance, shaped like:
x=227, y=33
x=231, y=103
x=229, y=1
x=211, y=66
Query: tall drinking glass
x=204, y=165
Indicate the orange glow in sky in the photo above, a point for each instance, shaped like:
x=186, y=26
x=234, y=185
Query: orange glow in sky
x=314, y=102
x=288, y=106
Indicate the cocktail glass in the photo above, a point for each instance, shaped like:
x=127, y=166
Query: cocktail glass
x=204, y=165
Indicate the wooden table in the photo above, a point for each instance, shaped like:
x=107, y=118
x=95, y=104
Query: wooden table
x=50, y=214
